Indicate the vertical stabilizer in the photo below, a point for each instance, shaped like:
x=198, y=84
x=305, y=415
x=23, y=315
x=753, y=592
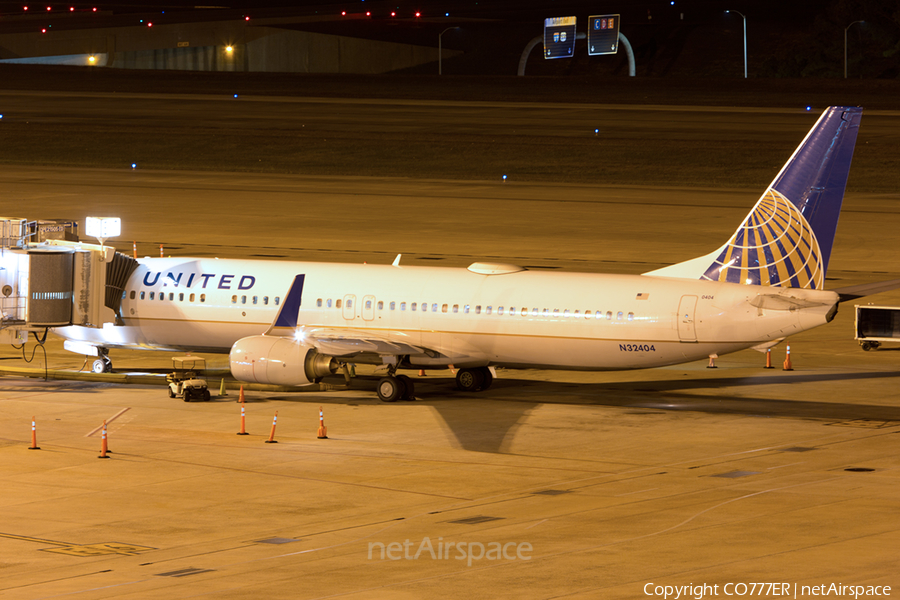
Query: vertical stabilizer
x=786, y=239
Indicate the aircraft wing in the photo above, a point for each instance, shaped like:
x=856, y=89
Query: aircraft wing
x=344, y=342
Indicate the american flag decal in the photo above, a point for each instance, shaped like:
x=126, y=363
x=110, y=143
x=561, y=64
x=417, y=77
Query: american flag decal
x=642, y=296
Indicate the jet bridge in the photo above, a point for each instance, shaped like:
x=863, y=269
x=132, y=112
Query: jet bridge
x=48, y=278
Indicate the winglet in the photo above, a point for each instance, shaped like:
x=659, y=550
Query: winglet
x=396, y=262
x=286, y=321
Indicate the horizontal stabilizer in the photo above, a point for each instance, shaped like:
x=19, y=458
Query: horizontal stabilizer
x=867, y=289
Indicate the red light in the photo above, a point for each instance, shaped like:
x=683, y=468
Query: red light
x=44, y=30
x=71, y=9
x=95, y=10
x=368, y=14
x=418, y=14
x=343, y=13
x=149, y=24
x=393, y=14
x=25, y=8
x=48, y=8
x=246, y=18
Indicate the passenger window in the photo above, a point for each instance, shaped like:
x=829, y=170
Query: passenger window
x=255, y=297
x=153, y=295
x=266, y=301
x=598, y=315
x=380, y=305
x=465, y=309
x=393, y=305
x=434, y=307
x=403, y=306
x=487, y=311
x=587, y=314
x=328, y=303
x=349, y=303
x=477, y=309
x=142, y=295
x=202, y=297
x=609, y=315
x=337, y=303
x=534, y=312
x=576, y=313
x=499, y=310
x=619, y=316
x=162, y=296
x=243, y=299
x=444, y=308
x=192, y=297
x=132, y=294
x=631, y=316
x=546, y=312
x=413, y=307
x=555, y=312
x=319, y=303
x=524, y=311
x=278, y=299
x=172, y=296
x=566, y=313
x=368, y=304
x=234, y=299
x=512, y=311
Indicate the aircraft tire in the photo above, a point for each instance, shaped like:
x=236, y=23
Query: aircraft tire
x=488, y=378
x=469, y=380
x=409, y=388
x=389, y=389
x=100, y=366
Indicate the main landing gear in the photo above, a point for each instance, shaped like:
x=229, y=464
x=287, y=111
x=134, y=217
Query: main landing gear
x=474, y=380
x=400, y=387
x=396, y=387
x=103, y=364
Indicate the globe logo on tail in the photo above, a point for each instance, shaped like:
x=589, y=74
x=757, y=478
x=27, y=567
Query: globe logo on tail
x=775, y=246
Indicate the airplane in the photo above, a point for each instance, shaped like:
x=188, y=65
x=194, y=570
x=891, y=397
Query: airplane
x=293, y=323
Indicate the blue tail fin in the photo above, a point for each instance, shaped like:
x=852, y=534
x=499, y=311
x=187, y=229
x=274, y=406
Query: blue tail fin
x=786, y=239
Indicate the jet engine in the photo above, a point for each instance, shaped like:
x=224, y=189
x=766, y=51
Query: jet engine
x=278, y=361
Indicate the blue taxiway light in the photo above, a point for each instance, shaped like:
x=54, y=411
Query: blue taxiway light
x=134, y=165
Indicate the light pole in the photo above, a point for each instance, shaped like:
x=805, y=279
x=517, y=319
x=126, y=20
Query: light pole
x=745, y=39
x=845, y=45
x=439, y=48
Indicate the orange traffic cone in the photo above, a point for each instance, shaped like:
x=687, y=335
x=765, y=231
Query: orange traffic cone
x=33, y=445
x=104, y=448
x=243, y=430
x=134, y=250
x=272, y=439
x=323, y=431
x=768, y=359
x=421, y=372
x=787, y=361
x=161, y=255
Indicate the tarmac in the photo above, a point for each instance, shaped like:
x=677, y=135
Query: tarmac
x=548, y=485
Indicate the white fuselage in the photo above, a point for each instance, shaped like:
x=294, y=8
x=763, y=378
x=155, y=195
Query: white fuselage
x=518, y=319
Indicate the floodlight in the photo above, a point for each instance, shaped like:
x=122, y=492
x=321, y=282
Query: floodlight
x=103, y=228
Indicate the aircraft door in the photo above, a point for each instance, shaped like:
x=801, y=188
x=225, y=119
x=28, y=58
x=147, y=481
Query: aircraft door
x=686, y=309
x=368, y=308
x=349, y=307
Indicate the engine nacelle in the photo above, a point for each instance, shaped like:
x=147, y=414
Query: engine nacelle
x=278, y=361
